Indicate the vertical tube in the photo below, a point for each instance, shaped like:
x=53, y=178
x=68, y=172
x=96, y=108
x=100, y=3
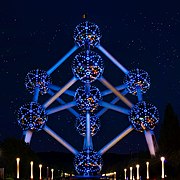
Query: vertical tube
x=117, y=93
x=36, y=94
x=88, y=130
x=40, y=171
x=28, y=136
x=137, y=175
x=162, y=160
x=139, y=94
x=61, y=91
x=17, y=160
x=106, y=53
x=131, y=176
x=31, y=163
x=61, y=60
x=125, y=174
x=115, y=140
x=147, y=171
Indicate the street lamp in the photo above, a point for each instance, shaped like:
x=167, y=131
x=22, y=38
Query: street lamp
x=147, y=173
x=162, y=160
x=31, y=163
x=125, y=170
x=40, y=168
x=137, y=166
x=52, y=170
x=131, y=177
x=17, y=160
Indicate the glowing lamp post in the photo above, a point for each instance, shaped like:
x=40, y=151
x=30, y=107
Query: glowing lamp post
x=17, y=160
x=147, y=173
x=137, y=166
x=131, y=177
x=52, y=171
x=31, y=163
x=125, y=170
x=40, y=168
x=162, y=160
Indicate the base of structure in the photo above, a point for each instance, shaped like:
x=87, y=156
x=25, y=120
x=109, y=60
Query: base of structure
x=87, y=177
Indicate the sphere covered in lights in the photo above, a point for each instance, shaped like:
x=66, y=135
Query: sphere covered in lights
x=135, y=79
x=88, y=162
x=87, y=66
x=81, y=124
x=37, y=78
x=144, y=116
x=87, y=101
x=87, y=34
x=31, y=116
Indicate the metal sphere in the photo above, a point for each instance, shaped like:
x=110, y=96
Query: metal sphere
x=144, y=116
x=37, y=78
x=87, y=102
x=87, y=34
x=81, y=124
x=88, y=162
x=137, y=78
x=87, y=66
x=31, y=116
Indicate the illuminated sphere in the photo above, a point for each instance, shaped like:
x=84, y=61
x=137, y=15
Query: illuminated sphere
x=88, y=162
x=31, y=116
x=144, y=116
x=81, y=124
x=87, y=66
x=87, y=34
x=37, y=78
x=87, y=102
x=137, y=78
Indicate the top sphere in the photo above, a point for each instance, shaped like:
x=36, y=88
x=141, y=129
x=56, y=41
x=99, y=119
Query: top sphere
x=87, y=34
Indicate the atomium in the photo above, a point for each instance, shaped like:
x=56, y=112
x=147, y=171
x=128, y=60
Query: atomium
x=137, y=78
x=81, y=124
x=88, y=162
x=144, y=116
x=87, y=102
x=31, y=116
x=87, y=34
x=87, y=66
x=37, y=78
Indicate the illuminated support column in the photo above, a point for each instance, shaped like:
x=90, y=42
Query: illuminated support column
x=115, y=140
x=147, y=173
x=63, y=102
x=149, y=141
x=116, y=92
x=131, y=176
x=60, y=108
x=31, y=163
x=114, y=107
x=88, y=131
x=61, y=60
x=52, y=174
x=36, y=94
x=108, y=91
x=139, y=94
x=28, y=136
x=106, y=53
x=100, y=113
x=125, y=174
x=61, y=91
x=40, y=169
x=60, y=140
x=57, y=88
x=162, y=160
x=137, y=175
x=17, y=160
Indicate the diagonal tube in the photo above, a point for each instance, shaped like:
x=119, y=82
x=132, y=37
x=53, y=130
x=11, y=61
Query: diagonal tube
x=115, y=140
x=60, y=140
x=53, y=68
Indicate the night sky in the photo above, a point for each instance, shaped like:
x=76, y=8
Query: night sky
x=37, y=34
